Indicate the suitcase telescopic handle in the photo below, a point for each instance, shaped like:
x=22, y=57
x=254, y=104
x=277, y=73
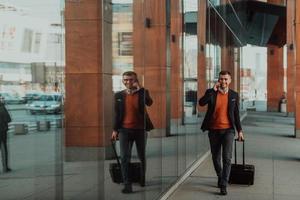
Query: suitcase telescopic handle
x=113, y=144
x=235, y=159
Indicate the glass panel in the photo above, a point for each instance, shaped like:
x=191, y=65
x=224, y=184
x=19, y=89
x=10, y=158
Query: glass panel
x=128, y=39
x=213, y=49
x=120, y=34
x=253, y=78
x=180, y=129
x=190, y=51
x=190, y=71
x=173, y=89
x=32, y=88
x=32, y=84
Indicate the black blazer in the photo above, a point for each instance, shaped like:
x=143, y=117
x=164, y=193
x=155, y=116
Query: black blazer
x=210, y=97
x=144, y=99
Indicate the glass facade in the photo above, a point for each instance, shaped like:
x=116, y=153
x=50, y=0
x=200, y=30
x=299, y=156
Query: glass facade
x=32, y=66
x=36, y=62
x=254, y=78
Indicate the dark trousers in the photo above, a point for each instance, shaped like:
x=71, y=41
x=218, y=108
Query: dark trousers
x=127, y=137
x=4, y=153
x=222, y=140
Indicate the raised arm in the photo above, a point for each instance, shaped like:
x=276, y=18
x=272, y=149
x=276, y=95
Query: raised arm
x=206, y=98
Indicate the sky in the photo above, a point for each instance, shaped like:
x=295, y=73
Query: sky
x=48, y=9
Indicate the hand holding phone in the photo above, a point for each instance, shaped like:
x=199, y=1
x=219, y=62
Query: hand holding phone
x=136, y=85
x=216, y=86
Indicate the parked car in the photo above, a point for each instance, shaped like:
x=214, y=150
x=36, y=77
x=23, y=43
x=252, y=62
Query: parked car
x=11, y=99
x=47, y=103
x=32, y=96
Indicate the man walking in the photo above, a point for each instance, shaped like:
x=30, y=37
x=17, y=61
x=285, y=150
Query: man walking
x=131, y=123
x=221, y=120
x=4, y=120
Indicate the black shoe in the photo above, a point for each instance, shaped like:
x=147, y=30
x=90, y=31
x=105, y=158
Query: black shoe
x=219, y=182
x=223, y=191
x=7, y=170
x=127, y=189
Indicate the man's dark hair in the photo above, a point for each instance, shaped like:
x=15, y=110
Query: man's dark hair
x=224, y=72
x=129, y=73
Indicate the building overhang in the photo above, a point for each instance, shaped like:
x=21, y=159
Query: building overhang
x=263, y=23
x=243, y=22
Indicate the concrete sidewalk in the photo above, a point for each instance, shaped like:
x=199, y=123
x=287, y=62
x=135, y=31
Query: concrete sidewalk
x=40, y=173
x=271, y=147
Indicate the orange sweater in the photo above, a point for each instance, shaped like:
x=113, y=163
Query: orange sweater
x=220, y=118
x=132, y=118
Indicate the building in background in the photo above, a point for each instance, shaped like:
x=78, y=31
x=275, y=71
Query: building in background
x=31, y=51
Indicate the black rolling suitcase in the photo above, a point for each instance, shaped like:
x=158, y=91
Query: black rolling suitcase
x=241, y=173
x=116, y=173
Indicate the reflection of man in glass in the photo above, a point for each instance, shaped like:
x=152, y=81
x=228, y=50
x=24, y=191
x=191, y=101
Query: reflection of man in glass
x=221, y=118
x=4, y=120
x=131, y=123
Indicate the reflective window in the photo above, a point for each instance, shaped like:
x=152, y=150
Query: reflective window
x=64, y=89
x=253, y=89
x=190, y=54
x=32, y=88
